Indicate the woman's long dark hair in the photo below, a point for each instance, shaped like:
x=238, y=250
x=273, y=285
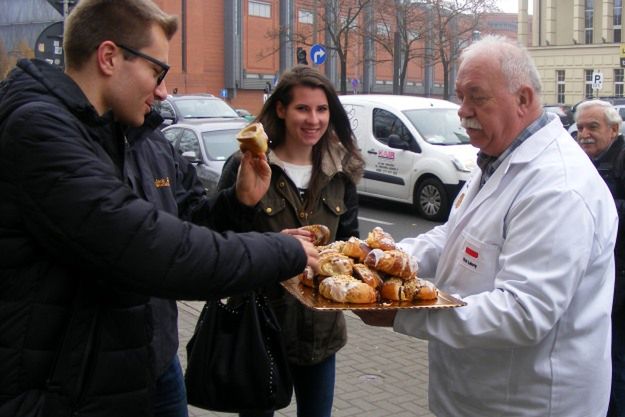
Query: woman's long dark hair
x=339, y=127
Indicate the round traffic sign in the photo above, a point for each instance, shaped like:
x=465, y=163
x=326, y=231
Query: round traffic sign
x=318, y=54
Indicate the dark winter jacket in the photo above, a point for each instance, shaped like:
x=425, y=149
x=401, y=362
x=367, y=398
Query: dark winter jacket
x=310, y=336
x=611, y=167
x=70, y=224
x=160, y=175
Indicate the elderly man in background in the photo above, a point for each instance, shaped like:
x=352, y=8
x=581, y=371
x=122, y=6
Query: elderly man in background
x=598, y=125
x=529, y=247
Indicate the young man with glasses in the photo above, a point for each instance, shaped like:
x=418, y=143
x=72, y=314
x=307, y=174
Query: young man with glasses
x=83, y=244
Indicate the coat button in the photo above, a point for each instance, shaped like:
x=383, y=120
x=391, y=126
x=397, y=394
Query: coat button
x=302, y=215
x=338, y=209
x=268, y=210
x=282, y=184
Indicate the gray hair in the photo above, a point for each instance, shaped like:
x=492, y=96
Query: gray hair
x=517, y=66
x=610, y=113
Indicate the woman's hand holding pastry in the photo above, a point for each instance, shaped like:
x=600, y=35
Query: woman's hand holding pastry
x=253, y=178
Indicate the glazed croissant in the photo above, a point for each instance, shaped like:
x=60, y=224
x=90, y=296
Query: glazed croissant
x=379, y=239
x=393, y=262
x=321, y=233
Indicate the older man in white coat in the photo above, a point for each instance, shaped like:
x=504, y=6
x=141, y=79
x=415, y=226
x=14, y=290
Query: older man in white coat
x=528, y=246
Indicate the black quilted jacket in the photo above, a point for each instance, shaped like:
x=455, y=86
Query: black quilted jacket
x=611, y=167
x=69, y=224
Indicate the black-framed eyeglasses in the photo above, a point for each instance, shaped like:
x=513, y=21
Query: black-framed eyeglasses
x=164, y=67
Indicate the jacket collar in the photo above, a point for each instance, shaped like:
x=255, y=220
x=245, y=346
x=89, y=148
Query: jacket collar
x=152, y=121
x=613, y=150
x=534, y=146
x=36, y=80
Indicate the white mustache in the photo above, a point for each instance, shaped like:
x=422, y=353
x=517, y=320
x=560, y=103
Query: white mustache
x=471, y=123
x=586, y=141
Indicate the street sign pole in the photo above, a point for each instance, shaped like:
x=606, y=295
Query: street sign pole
x=63, y=6
x=597, y=82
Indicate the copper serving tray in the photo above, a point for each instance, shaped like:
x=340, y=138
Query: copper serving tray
x=312, y=299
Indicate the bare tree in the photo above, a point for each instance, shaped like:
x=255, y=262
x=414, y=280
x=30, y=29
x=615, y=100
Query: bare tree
x=454, y=21
x=341, y=25
x=399, y=26
x=430, y=31
x=337, y=20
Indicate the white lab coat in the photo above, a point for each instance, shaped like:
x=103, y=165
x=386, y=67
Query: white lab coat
x=531, y=253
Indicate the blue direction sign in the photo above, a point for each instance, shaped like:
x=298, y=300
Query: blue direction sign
x=318, y=54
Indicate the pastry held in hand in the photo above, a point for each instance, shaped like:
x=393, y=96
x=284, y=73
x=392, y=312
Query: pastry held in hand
x=253, y=138
x=321, y=233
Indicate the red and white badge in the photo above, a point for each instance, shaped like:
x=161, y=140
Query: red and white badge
x=470, y=257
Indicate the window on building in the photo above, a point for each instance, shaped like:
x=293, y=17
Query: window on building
x=616, y=20
x=383, y=30
x=588, y=92
x=618, y=83
x=588, y=20
x=560, y=87
x=305, y=16
x=351, y=25
x=257, y=8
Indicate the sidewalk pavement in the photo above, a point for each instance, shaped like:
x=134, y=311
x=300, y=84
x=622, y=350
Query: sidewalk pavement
x=379, y=373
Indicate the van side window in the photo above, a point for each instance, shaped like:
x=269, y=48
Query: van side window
x=386, y=123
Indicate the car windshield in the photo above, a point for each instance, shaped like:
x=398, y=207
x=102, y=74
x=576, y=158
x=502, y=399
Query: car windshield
x=438, y=126
x=199, y=108
x=220, y=144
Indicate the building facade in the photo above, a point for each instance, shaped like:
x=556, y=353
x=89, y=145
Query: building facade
x=575, y=44
x=236, y=49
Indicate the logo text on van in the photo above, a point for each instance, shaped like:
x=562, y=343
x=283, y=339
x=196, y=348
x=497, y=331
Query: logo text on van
x=386, y=154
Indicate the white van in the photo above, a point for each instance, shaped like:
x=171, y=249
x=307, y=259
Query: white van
x=415, y=150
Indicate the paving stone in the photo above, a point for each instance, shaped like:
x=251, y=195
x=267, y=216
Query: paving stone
x=379, y=373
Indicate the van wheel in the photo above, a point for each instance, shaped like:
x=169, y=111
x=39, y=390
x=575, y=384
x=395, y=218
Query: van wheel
x=431, y=200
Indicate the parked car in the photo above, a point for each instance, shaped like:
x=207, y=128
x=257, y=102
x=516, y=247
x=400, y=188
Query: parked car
x=245, y=114
x=415, y=150
x=207, y=146
x=563, y=112
x=194, y=108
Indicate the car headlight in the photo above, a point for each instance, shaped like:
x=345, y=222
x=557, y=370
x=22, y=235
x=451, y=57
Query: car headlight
x=464, y=165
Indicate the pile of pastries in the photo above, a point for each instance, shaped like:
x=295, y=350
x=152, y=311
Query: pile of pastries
x=366, y=271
